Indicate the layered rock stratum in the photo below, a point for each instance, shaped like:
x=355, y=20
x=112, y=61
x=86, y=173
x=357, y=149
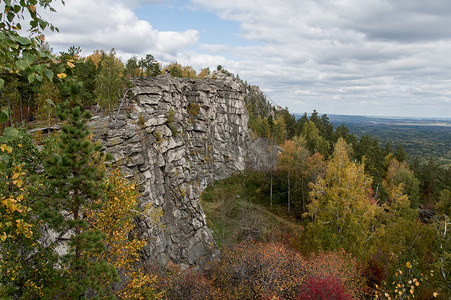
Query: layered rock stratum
x=174, y=136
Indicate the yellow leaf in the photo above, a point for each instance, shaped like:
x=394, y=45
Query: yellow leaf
x=3, y=237
x=18, y=182
x=435, y=294
x=71, y=65
x=61, y=75
x=5, y=147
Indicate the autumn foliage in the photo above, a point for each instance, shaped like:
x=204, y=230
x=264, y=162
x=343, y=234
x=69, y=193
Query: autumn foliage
x=116, y=221
x=323, y=288
x=256, y=270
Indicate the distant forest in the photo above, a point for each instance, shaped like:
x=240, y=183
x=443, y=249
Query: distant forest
x=420, y=138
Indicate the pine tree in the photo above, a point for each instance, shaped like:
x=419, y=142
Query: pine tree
x=76, y=176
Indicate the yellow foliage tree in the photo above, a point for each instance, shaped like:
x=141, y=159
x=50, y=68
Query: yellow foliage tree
x=12, y=211
x=189, y=72
x=96, y=57
x=341, y=208
x=116, y=221
x=204, y=73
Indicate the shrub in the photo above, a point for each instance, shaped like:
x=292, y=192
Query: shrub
x=327, y=288
x=175, y=283
x=257, y=270
x=193, y=110
x=341, y=266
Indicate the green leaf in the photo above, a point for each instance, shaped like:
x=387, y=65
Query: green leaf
x=31, y=77
x=10, y=16
x=12, y=44
x=16, y=8
x=28, y=58
x=10, y=133
x=22, y=65
x=43, y=24
x=2, y=82
x=49, y=74
x=39, y=68
x=21, y=40
x=3, y=117
x=61, y=68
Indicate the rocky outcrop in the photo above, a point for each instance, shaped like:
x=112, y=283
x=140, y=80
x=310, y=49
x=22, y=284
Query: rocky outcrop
x=173, y=137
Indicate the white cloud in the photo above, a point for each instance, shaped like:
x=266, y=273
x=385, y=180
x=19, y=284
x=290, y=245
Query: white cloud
x=105, y=24
x=343, y=56
x=351, y=48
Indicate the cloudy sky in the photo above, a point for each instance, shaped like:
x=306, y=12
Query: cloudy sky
x=355, y=57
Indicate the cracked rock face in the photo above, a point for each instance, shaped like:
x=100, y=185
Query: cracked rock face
x=173, y=137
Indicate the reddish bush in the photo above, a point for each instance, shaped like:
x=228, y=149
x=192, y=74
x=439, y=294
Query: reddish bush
x=258, y=270
x=323, y=288
x=340, y=265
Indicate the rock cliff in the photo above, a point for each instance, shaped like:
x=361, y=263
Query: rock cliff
x=174, y=136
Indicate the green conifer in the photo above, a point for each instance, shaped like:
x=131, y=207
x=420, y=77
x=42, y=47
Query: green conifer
x=76, y=176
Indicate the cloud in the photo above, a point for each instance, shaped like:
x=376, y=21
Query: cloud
x=105, y=24
x=393, y=53
x=344, y=56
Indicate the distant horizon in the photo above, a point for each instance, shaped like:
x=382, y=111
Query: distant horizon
x=375, y=116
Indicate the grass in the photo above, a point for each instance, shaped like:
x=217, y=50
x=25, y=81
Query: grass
x=237, y=211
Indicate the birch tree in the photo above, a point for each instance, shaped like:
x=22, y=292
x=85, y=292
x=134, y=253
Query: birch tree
x=341, y=207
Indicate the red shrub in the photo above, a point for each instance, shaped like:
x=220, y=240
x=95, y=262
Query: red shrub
x=340, y=265
x=323, y=288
